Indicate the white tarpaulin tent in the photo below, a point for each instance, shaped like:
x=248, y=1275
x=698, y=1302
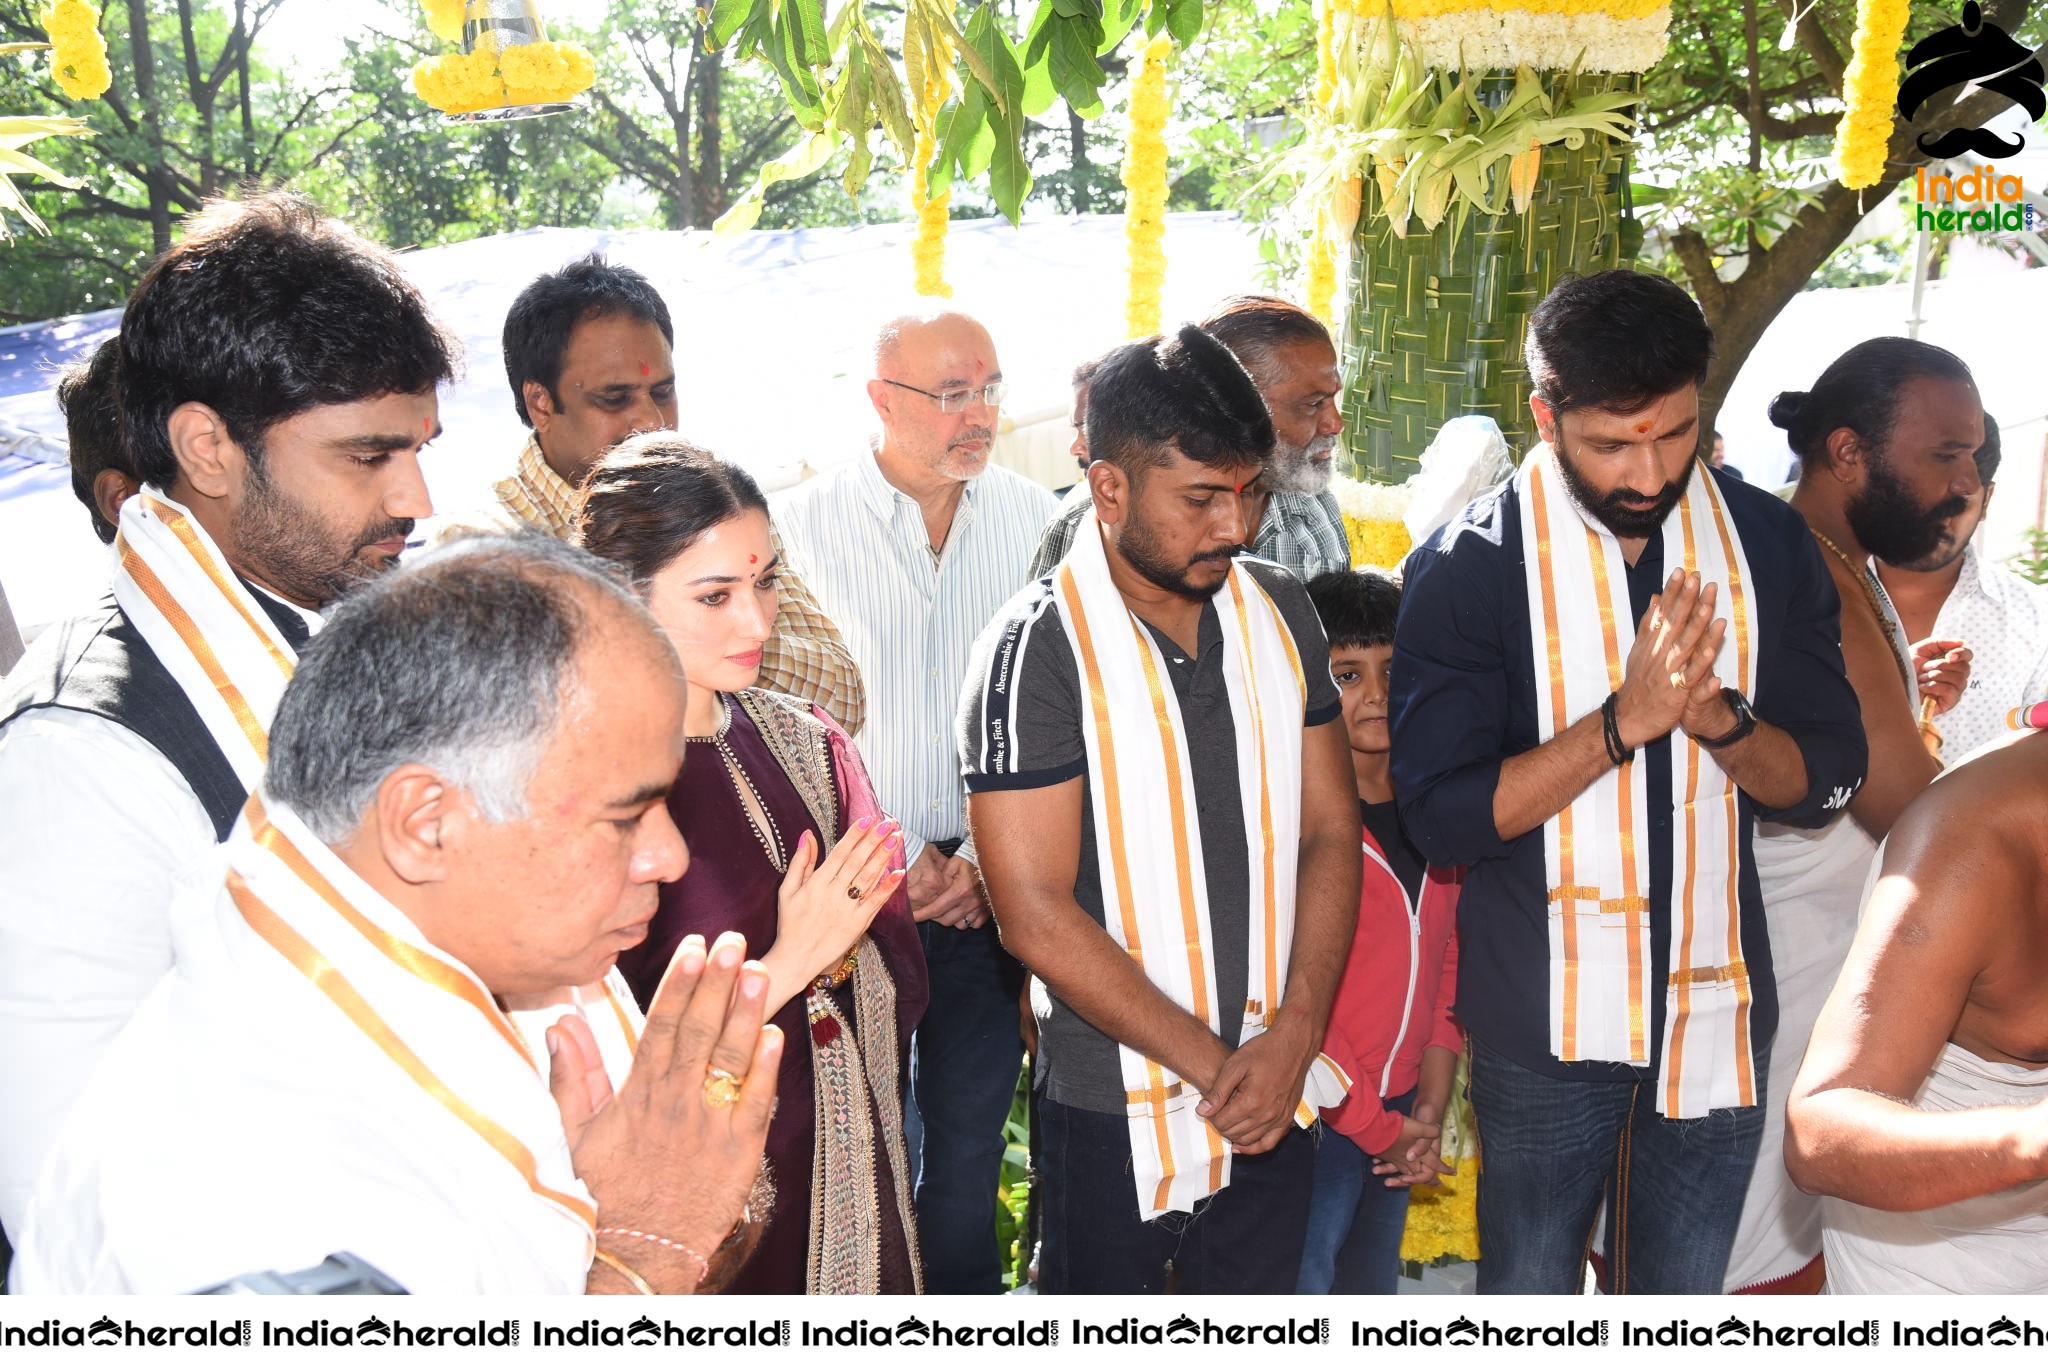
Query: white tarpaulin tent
x=772, y=331
x=772, y=328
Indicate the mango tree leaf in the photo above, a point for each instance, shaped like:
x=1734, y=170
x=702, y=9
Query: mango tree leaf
x=961, y=123
x=811, y=48
x=799, y=82
x=1038, y=77
x=726, y=18
x=1009, y=175
x=890, y=108
x=1075, y=71
x=941, y=16
x=1117, y=18
x=799, y=161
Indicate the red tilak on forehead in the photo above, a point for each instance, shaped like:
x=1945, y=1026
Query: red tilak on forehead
x=752, y=558
x=644, y=370
x=1239, y=490
x=1642, y=427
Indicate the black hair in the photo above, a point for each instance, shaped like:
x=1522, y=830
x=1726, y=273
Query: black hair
x=89, y=394
x=1991, y=452
x=1617, y=340
x=1860, y=390
x=1357, y=608
x=1186, y=391
x=651, y=496
x=1254, y=325
x=265, y=309
x=547, y=312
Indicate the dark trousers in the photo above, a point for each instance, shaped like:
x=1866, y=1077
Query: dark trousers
x=963, y=1076
x=1555, y=1146
x=1246, y=1239
x=1356, y=1220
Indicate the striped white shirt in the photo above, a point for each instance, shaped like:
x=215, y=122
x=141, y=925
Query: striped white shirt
x=911, y=621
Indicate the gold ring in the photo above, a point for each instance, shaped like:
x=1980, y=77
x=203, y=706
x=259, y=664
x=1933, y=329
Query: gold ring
x=1680, y=682
x=853, y=891
x=721, y=1089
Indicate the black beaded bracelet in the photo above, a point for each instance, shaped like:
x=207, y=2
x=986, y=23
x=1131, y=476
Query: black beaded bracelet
x=1610, y=732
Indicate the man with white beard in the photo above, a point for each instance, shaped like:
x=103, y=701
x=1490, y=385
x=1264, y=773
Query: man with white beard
x=1293, y=361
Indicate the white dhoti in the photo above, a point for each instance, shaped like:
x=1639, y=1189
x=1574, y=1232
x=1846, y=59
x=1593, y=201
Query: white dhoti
x=1988, y=1245
x=1812, y=885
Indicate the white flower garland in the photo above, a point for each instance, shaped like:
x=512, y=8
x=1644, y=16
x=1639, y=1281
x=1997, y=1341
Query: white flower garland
x=1503, y=40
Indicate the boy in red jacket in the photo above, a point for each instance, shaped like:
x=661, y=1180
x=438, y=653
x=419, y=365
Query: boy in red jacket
x=1390, y=1026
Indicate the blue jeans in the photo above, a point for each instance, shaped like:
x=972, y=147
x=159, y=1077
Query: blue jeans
x=964, y=1063
x=1354, y=1221
x=1246, y=1239
x=1553, y=1147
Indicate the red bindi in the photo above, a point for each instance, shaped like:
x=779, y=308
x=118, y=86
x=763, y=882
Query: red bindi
x=1641, y=428
x=752, y=558
x=644, y=370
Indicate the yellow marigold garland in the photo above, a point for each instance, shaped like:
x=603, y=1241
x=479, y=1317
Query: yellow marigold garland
x=1144, y=176
x=444, y=19
x=1322, y=271
x=1443, y=1220
x=490, y=78
x=1870, y=89
x=928, y=248
x=79, y=63
x=543, y=73
x=1372, y=520
x=1326, y=54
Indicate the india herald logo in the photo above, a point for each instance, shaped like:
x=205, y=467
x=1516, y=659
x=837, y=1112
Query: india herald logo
x=1980, y=51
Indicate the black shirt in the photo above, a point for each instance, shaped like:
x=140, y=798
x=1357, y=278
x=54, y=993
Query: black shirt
x=1020, y=727
x=1464, y=700
x=1383, y=821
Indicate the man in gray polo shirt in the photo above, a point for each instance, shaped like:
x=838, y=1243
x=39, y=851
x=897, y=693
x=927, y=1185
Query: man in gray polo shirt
x=1178, y=430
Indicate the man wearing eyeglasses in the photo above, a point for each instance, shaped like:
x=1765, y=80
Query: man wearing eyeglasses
x=912, y=548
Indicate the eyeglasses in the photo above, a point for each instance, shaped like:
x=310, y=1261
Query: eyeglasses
x=956, y=400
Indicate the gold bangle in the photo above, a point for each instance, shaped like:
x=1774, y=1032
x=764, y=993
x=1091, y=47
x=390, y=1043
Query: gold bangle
x=613, y=1262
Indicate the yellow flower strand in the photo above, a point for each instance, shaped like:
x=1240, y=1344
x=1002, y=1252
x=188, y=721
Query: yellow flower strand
x=1322, y=271
x=928, y=247
x=79, y=62
x=444, y=19
x=1144, y=177
x=1870, y=89
x=1326, y=54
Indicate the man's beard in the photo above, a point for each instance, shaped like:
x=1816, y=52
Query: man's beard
x=1898, y=531
x=1141, y=551
x=283, y=544
x=1622, y=518
x=955, y=463
x=1295, y=469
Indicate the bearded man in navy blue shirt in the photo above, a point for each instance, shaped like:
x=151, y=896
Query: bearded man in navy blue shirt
x=1607, y=670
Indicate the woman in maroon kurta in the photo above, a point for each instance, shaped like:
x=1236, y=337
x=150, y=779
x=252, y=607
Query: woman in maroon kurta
x=767, y=783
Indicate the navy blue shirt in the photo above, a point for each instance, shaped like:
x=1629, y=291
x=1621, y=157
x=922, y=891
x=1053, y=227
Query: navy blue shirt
x=1464, y=700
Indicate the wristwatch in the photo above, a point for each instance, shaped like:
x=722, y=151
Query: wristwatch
x=1745, y=721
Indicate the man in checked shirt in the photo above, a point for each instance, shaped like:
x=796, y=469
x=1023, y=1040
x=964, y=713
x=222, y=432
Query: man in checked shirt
x=587, y=353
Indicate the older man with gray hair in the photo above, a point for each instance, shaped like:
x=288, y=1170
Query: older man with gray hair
x=1293, y=516
x=394, y=1029
x=911, y=547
